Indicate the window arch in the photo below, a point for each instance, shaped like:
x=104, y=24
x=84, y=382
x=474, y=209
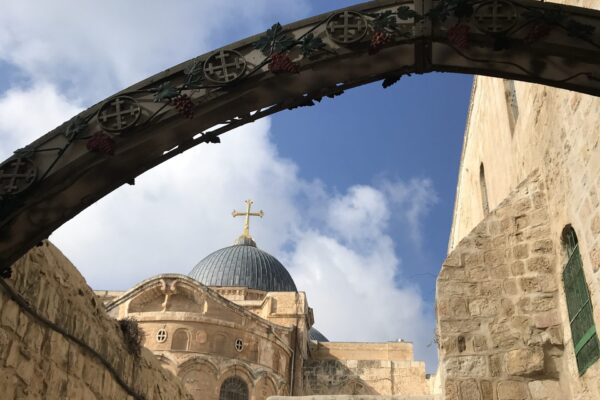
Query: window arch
x=483, y=187
x=181, y=339
x=233, y=388
x=581, y=316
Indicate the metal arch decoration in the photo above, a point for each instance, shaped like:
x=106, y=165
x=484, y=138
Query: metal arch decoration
x=119, y=114
x=224, y=66
x=16, y=175
x=495, y=16
x=346, y=27
x=283, y=68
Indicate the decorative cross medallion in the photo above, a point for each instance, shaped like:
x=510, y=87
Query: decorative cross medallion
x=119, y=114
x=247, y=214
x=224, y=66
x=16, y=175
x=496, y=16
x=346, y=27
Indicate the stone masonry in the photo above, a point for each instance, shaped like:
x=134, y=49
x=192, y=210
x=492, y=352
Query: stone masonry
x=499, y=326
x=36, y=362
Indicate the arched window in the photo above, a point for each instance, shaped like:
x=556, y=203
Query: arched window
x=581, y=317
x=180, y=341
x=483, y=187
x=233, y=389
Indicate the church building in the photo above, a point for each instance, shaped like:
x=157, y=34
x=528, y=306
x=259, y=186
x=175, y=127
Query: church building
x=237, y=327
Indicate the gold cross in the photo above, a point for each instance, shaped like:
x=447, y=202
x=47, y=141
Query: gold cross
x=247, y=214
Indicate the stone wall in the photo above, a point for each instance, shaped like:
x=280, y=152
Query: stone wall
x=384, y=369
x=36, y=362
x=499, y=324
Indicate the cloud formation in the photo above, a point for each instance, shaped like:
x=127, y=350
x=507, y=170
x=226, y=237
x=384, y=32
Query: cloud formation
x=336, y=244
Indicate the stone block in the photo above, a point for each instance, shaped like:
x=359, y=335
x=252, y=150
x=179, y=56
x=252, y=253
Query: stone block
x=487, y=390
x=537, y=303
x=473, y=259
x=496, y=368
x=479, y=343
x=478, y=274
x=466, y=366
x=451, y=390
x=521, y=251
x=512, y=390
x=454, y=307
x=10, y=315
x=510, y=287
x=469, y=390
x=525, y=362
x=517, y=268
x=595, y=225
x=545, y=390
x=521, y=222
x=538, y=284
x=541, y=264
x=595, y=258
x=492, y=258
x=499, y=272
x=545, y=246
x=485, y=307
x=546, y=319
x=491, y=289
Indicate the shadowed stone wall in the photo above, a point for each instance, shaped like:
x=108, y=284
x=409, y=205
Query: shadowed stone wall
x=499, y=326
x=37, y=362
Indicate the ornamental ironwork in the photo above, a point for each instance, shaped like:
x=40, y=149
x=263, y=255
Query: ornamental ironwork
x=496, y=16
x=346, y=27
x=224, y=66
x=119, y=114
x=16, y=175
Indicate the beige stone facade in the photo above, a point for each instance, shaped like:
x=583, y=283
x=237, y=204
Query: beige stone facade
x=531, y=153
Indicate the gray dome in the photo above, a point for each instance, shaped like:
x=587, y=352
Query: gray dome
x=314, y=334
x=243, y=265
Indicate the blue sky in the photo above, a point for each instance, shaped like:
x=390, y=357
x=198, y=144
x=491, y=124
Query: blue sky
x=357, y=191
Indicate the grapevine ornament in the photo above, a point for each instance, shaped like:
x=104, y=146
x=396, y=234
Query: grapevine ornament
x=378, y=40
x=184, y=105
x=281, y=63
x=101, y=143
x=537, y=30
x=458, y=36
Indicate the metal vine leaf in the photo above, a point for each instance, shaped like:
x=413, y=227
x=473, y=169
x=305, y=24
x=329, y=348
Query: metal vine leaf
x=384, y=21
x=553, y=17
x=311, y=44
x=165, y=92
x=446, y=8
x=274, y=41
x=579, y=30
x=193, y=73
x=387, y=82
x=405, y=13
x=76, y=127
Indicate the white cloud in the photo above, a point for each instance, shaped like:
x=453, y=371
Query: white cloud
x=336, y=245
x=93, y=48
x=179, y=212
x=25, y=114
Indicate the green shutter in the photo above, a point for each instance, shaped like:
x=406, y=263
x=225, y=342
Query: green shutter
x=583, y=330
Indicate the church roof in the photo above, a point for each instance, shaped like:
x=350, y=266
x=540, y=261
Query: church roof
x=314, y=334
x=244, y=265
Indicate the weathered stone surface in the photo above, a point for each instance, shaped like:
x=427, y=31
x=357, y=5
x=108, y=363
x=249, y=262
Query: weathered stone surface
x=40, y=363
x=524, y=362
x=469, y=390
x=512, y=390
x=466, y=366
x=546, y=390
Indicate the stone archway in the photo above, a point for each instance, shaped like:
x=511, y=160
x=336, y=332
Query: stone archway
x=51, y=180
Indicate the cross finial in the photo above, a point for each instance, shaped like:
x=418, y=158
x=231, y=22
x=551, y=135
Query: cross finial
x=247, y=214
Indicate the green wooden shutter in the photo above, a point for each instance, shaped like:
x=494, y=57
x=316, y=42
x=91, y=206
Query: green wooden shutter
x=583, y=329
